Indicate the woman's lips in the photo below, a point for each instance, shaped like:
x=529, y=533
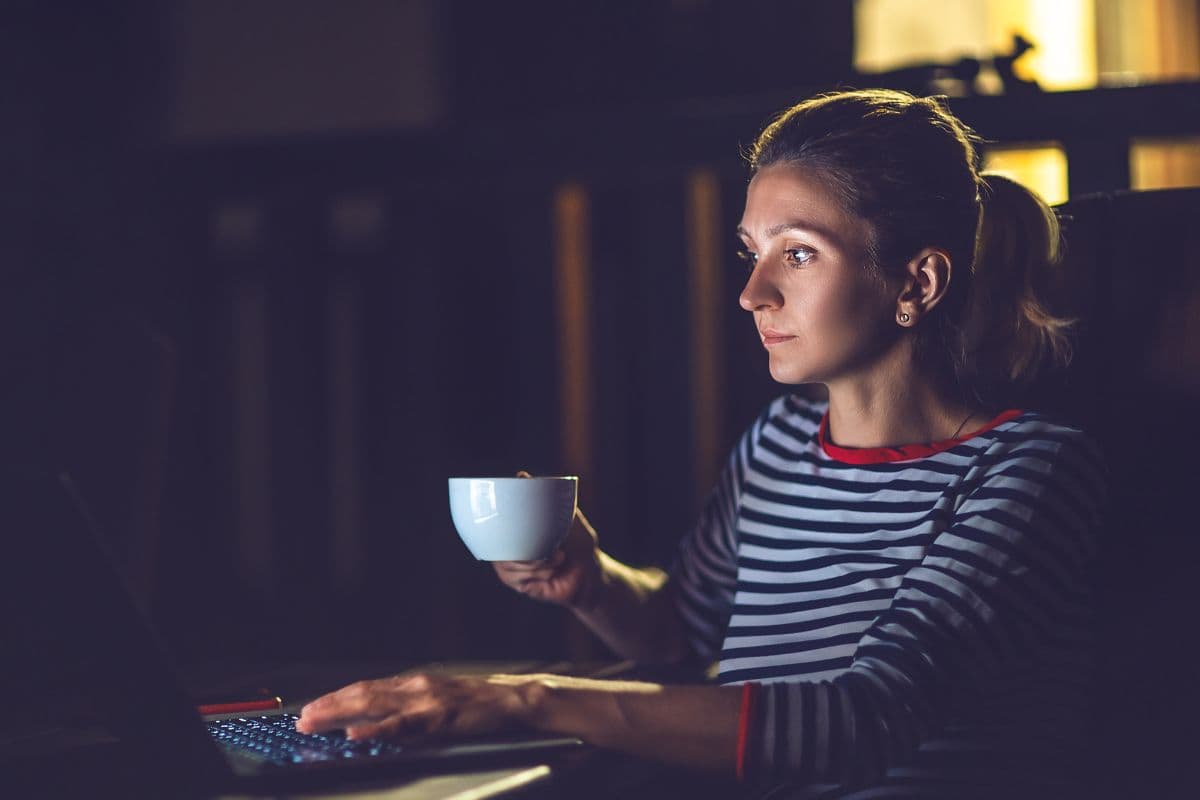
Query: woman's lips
x=771, y=338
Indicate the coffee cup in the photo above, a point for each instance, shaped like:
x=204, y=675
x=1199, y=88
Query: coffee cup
x=513, y=519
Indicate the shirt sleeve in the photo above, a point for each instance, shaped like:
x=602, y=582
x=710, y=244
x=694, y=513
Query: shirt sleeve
x=703, y=574
x=1009, y=573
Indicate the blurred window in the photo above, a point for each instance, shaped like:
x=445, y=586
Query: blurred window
x=1164, y=163
x=1079, y=44
x=1041, y=166
x=1149, y=41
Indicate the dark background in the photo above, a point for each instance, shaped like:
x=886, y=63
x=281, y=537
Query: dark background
x=272, y=271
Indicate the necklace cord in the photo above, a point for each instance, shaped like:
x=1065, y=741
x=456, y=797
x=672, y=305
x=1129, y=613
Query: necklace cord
x=961, y=424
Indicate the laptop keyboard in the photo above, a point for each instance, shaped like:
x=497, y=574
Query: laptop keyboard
x=273, y=738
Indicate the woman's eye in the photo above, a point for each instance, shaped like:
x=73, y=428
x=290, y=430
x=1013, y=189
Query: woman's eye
x=797, y=256
x=747, y=257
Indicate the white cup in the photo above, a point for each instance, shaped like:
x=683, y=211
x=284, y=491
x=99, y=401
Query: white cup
x=512, y=519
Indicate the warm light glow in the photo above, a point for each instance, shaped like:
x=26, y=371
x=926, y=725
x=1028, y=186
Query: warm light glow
x=1064, y=34
x=893, y=33
x=1078, y=43
x=572, y=269
x=704, y=307
x=1042, y=168
x=1164, y=163
x=572, y=283
x=1145, y=42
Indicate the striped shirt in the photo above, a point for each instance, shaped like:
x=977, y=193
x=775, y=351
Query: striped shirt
x=913, y=621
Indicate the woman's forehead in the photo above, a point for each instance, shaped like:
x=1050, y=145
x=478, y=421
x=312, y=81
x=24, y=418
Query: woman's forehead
x=787, y=196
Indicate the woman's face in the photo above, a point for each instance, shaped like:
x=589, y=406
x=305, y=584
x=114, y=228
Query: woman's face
x=821, y=314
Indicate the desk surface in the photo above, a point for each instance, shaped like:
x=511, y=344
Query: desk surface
x=462, y=786
x=579, y=775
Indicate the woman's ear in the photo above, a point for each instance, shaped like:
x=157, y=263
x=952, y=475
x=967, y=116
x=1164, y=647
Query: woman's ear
x=926, y=278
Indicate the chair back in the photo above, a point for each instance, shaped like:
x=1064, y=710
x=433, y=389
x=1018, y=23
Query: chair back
x=1133, y=273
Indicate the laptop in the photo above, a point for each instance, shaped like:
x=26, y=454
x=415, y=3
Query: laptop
x=72, y=631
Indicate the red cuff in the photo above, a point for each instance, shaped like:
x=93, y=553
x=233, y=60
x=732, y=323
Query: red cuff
x=749, y=695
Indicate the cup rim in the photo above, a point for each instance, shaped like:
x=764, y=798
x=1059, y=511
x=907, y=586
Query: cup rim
x=514, y=478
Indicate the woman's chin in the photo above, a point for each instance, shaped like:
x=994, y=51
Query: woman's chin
x=789, y=374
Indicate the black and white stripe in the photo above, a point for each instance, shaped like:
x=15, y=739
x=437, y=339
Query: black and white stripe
x=900, y=612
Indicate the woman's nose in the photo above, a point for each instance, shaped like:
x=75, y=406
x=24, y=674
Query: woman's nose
x=759, y=291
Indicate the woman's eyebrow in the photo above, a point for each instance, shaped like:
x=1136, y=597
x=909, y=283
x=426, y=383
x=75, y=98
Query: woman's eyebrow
x=791, y=225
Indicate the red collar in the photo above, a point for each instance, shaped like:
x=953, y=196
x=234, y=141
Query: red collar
x=903, y=452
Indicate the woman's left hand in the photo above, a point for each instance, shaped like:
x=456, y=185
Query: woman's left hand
x=422, y=705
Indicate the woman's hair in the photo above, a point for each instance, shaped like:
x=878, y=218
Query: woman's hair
x=910, y=168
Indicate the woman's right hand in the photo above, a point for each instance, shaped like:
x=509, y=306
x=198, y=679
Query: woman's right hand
x=571, y=577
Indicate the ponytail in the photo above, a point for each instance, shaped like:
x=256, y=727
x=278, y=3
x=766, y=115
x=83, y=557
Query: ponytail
x=1009, y=332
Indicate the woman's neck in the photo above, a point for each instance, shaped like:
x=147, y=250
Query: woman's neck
x=892, y=410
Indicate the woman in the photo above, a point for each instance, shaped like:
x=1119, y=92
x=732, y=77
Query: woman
x=893, y=580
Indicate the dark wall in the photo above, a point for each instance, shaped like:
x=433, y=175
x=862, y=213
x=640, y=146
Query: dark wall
x=274, y=68
x=261, y=351
x=455, y=357
x=510, y=59
x=86, y=87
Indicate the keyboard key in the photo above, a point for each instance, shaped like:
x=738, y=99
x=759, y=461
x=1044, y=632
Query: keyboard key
x=274, y=738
